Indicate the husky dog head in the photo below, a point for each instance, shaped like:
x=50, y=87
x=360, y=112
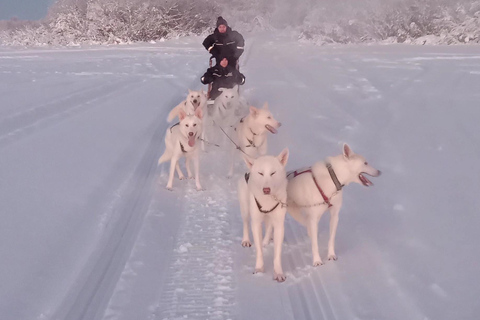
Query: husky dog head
x=358, y=167
x=191, y=125
x=263, y=119
x=229, y=97
x=196, y=98
x=267, y=174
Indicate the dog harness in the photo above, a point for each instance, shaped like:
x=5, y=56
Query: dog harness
x=259, y=206
x=251, y=142
x=333, y=176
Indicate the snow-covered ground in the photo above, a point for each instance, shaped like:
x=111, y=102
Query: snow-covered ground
x=88, y=231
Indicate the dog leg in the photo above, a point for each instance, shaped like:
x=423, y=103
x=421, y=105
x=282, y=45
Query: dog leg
x=263, y=149
x=243, y=200
x=196, y=165
x=173, y=164
x=187, y=164
x=268, y=231
x=179, y=171
x=313, y=232
x=278, y=236
x=257, y=239
x=333, y=231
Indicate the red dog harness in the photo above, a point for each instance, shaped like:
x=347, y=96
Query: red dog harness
x=293, y=174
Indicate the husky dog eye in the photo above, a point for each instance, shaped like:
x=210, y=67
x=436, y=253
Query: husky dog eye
x=194, y=124
x=186, y=125
x=260, y=174
x=269, y=117
x=271, y=174
x=366, y=163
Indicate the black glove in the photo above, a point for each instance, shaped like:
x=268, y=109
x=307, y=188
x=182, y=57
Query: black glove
x=207, y=78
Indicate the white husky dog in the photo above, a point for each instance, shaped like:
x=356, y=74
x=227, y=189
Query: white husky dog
x=251, y=133
x=194, y=100
x=314, y=190
x=180, y=140
x=223, y=113
x=262, y=194
x=226, y=107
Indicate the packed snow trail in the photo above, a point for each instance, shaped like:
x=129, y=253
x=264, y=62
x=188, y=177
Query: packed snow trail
x=89, y=232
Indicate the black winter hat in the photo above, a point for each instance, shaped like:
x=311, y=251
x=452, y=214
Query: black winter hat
x=221, y=21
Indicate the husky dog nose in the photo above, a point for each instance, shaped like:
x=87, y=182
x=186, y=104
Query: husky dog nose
x=266, y=190
x=279, y=124
x=190, y=134
x=194, y=100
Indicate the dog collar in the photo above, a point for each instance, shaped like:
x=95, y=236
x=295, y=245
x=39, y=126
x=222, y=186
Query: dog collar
x=337, y=183
x=259, y=206
x=265, y=211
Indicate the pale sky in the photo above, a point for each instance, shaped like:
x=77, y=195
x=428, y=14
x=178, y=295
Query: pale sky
x=24, y=9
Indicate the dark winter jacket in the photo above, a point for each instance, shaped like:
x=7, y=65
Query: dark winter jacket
x=221, y=77
x=229, y=44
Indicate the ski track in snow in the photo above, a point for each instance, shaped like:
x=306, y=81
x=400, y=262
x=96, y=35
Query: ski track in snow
x=201, y=283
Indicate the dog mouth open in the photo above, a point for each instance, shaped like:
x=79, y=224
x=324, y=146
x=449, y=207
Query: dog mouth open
x=271, y=129
x=191, y=139
x=196, y=104
x=266, y=190
x=364, y=180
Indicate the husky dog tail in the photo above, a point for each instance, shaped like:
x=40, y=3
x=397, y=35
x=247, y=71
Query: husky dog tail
x=167, y=155
x=174, y=113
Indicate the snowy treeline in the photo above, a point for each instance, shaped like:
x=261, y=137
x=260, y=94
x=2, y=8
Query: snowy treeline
x=320, y=21
x=112, y=21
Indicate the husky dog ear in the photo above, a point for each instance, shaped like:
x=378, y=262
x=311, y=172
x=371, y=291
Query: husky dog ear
x=253, y=111
x=181, y=115
x=199, y=112
x=347, y=151
x=265, y=106
x=283, y=157
x=189, y=91
x=248, y=161
x=221, y=89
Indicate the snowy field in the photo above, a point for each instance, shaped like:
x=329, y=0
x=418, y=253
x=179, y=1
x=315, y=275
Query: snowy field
x=88, y=231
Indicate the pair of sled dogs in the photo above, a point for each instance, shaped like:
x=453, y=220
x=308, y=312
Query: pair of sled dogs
x=267, y=191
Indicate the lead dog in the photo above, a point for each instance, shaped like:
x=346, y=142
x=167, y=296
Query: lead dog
x=251, y=133
x=194, y=100
x=317, y=189
x=180, y=141
x=262, y=195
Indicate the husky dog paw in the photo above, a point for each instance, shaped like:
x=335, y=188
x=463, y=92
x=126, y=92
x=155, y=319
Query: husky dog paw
x=181, y=177
x=169, y=188
x=259, y=270
x=280, y=277
x=191, y=177
x=332, y=257
x=200, y=189
x=317, y=263
x=246, y=243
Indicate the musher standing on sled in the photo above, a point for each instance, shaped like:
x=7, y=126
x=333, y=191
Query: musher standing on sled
x=225, y=42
